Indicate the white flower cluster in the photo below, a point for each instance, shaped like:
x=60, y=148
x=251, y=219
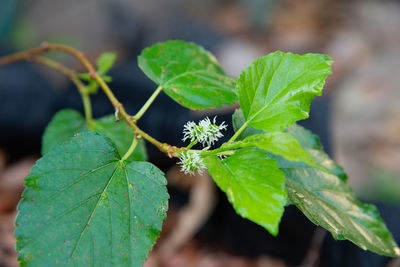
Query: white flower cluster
x=190, y=162
x=205, y=132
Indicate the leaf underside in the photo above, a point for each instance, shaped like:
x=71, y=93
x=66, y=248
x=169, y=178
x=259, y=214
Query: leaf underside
x=82, y=206
x=189, y=74
x=327, y=200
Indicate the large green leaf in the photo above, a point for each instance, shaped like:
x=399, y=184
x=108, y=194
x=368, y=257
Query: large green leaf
x=68, y=122
x=189, y=74
x=330, y=202
x=64, y=124
x=276, y=90
x=327, y=200
x=83, y=206
x=254, y=185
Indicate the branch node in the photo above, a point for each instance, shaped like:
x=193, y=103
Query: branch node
x=45, y=46
x=92, y=75
x=131, y=119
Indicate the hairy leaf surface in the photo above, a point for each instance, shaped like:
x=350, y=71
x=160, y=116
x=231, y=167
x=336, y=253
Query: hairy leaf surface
x=276, y=90
x=189, y=74
x=254, y=185
x=68, y=122
x=84, y=206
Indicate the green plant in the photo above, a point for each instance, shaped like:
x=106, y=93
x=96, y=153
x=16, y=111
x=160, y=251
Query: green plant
x=92, y=199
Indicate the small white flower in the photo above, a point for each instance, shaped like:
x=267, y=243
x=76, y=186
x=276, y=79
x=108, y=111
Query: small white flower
x=190, y=131
x=190, y=162
x=205, y=132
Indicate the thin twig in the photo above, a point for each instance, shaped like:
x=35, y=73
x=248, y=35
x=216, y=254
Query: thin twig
x=171, y=151
x=87, y=105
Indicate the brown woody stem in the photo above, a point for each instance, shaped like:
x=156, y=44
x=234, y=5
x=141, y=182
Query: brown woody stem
x=171, y=151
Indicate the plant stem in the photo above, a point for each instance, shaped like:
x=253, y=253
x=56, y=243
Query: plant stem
x=241, y=129
x=131, y=149
x=46, y=47
x=114, y=101
x=63, y=69
x=148, y=103
x=87, y=106
x=191, y=144
x=225, y=147
x=171, y=151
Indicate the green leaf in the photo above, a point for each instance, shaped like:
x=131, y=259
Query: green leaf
x=327, y=200
x=330, y=202
x=92, y=87
x=282, y=144
x=84, y=206
x=189, y=74
x=276, y=90
x=105, y=62
x=107, y=78
x=68, y=122
x=64, y=124
x=254, y=185
x=86, y=77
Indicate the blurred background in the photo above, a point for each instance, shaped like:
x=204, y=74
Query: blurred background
x=357, y=118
